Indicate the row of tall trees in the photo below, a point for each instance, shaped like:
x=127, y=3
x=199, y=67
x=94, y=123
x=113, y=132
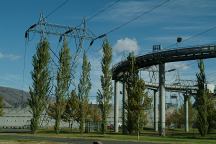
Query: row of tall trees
x=74, y=106
x=41, y=87
x=68, y=106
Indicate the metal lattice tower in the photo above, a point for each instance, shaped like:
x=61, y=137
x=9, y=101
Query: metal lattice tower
x=78, y=33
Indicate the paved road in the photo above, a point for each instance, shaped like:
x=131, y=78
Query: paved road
x=64, y=140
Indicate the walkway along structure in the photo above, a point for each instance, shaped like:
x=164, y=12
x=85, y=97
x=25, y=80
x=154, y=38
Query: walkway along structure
x=159, y=58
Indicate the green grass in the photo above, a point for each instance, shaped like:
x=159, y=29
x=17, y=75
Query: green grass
x=173, y=136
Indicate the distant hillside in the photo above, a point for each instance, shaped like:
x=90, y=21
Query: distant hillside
x=13, y=97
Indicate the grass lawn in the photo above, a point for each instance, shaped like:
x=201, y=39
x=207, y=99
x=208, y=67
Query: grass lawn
x=173, y=136
x=26, y=142
x=118, y=137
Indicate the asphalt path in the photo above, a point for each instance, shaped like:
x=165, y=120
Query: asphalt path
x=17, y=137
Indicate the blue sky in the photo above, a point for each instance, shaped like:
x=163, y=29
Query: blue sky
x=177, y=18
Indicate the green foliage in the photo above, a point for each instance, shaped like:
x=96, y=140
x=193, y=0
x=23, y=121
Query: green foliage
x=63, y=83
x=84, y=87
x=202, y=100
x=51, y=110
x=105, y=95
x=1, y=106
x=177, y=116
x=71, y=113
x=94, y=114
x=137, y=100
x=211, y=112
x=41, y=83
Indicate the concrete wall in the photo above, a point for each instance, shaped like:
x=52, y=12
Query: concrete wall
x=21, y=118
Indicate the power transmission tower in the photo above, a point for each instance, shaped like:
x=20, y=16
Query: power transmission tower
x=78, y=33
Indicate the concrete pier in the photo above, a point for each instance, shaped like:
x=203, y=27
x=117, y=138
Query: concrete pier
x=123, y=108
x=162, y=99
x=186, y=99
x=116, y=106
x=155, y=111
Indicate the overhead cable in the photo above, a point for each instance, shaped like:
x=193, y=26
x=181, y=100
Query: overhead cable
x=196, y=35
x=131, y=20
x=137, y=17
x=102, y=10
x=55, y=9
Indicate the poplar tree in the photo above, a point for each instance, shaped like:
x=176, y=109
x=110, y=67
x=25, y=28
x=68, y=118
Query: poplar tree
x=63, y=83
x=105, y=95
x=202, y=100
x=41, y=83
x=84, y=87
x=71, y=113
x=137, y=100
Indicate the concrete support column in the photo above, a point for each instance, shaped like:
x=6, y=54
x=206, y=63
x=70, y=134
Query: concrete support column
x=155, y=111
x=116, y=106
x=186, y=99
x=123, y=108
x=162, y=99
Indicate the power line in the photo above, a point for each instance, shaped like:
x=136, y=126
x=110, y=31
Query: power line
x=55, y=9
x=102, y=10
x=196, y=35
x=131, y=20
x=137, y=17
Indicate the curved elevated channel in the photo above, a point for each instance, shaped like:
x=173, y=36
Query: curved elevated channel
x=172, y=88
x=165, y=56
x=160, y=58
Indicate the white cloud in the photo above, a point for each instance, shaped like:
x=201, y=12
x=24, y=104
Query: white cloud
x=9, y=56
x=126, y=45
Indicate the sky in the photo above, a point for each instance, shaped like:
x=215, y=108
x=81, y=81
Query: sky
x=177, y=18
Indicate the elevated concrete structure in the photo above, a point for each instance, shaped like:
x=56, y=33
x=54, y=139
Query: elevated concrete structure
x=162, y=57
x=165, y=56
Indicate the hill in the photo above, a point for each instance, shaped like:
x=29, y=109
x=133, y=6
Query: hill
x=13, y=97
